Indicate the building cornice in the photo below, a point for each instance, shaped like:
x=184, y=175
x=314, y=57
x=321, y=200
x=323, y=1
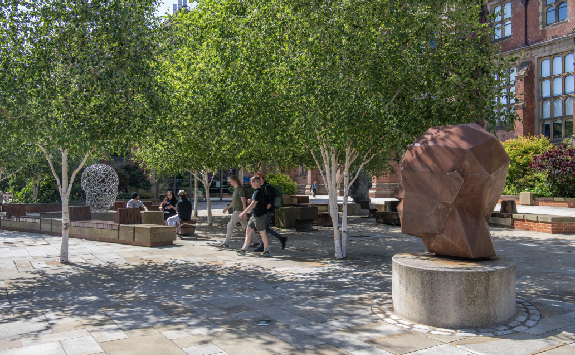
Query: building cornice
x=531, y=50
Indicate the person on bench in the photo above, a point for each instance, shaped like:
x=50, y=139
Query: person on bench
x=184, y=209
x=135, y=202
x=168, y=206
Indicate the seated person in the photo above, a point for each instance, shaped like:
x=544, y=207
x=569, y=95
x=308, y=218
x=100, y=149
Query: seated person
x=135, y=202
x=184, y=209
x=169, y=205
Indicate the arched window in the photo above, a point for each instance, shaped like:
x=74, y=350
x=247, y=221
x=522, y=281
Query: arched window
x=546, y=129
x=569, y=63
x=551, y=15
x=557, y=82
x=562, y=13
x=557, y=129
x=558, y=108
x=545, y=88
x=502, y=21
x=546, y=109
x=557, y=87
x=555, y=11
x=569, y=106
x=545, y=68
x=557, y=65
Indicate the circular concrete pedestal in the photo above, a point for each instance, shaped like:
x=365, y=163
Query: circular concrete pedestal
x=450, y=293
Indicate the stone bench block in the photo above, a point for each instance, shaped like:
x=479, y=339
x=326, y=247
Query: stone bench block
x=289, y=201
x=21, y=225
x=108, y=216
x=352, y=209
x=555, y=219
x=285, y=217
x=46, y=225
x=530, y=217
x=104, y=233
x=526, y=198
x=151, y=233
x=153, y=217
x=56, y=225
x=501, y=221
x=126, y=232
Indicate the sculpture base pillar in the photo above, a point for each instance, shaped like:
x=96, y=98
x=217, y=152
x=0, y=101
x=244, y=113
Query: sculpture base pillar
x=446, y=292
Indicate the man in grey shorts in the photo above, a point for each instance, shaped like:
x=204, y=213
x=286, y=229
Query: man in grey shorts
x=258, y=206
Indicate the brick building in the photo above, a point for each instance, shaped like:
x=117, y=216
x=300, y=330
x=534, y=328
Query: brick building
x=542, y=34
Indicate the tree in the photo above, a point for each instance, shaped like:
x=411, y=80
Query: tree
x=77, y=77
x=14, y=157
x=355, y=82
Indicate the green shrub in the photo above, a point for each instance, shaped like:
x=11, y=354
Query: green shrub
x=288, y=186
x=558, y=165
x=520, y=176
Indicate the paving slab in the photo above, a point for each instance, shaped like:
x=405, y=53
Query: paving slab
x=81, y=346
x=521, y=344
x=143, y=345
x=139, y=317
x=403, y=343
x=204, y=350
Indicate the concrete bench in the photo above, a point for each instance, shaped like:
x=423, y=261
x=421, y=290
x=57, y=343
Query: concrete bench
x=300, y=217
x=324, y=219
x=187, y=228
x=16, y=219
x=534, y=222
x=365, y=205
x=301, y=198
x=387, y=217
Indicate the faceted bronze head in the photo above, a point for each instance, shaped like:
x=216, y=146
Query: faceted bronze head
x=451, y=180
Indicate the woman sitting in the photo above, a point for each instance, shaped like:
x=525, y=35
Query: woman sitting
x=168, y=206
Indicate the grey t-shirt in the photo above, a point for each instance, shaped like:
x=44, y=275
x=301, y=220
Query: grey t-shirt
x=135, y=204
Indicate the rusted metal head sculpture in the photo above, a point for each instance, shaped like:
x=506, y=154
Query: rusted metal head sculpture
x=451, y=180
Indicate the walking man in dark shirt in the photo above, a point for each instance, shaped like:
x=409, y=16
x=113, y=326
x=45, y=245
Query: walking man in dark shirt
x=258, y=218
x=270, y=194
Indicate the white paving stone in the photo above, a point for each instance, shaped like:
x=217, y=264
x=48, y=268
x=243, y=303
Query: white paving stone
x=52, y=348
x=81, y=346
x=205, y=349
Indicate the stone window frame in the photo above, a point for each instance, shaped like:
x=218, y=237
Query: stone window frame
x=511, y=101
x=551, y=98
x=544, y=7
x=502, y=20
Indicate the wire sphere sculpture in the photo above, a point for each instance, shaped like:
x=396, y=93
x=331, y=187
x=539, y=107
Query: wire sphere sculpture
x=100, y=183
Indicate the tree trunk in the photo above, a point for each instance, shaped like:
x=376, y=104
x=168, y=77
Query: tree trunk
x=344, y=217
x=195, y=193
x=207, y=184
x=64, y=186
x=64, y=194
x=35, y=188
x=333, y=201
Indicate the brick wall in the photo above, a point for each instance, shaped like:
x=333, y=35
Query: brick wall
x=543, y=227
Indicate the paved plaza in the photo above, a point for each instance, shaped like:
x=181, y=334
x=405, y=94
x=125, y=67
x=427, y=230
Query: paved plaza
x=195, y=298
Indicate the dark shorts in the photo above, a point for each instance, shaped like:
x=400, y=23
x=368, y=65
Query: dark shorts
x=258, y=223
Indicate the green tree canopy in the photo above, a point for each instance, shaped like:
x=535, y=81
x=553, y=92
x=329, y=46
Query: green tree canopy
x=78, y=77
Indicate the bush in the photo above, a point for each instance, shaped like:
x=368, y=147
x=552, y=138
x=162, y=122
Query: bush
x=288, y=186
x=520, y=176
x=558, y=164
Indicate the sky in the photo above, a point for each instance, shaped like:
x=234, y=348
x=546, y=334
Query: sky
x=168, y=5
